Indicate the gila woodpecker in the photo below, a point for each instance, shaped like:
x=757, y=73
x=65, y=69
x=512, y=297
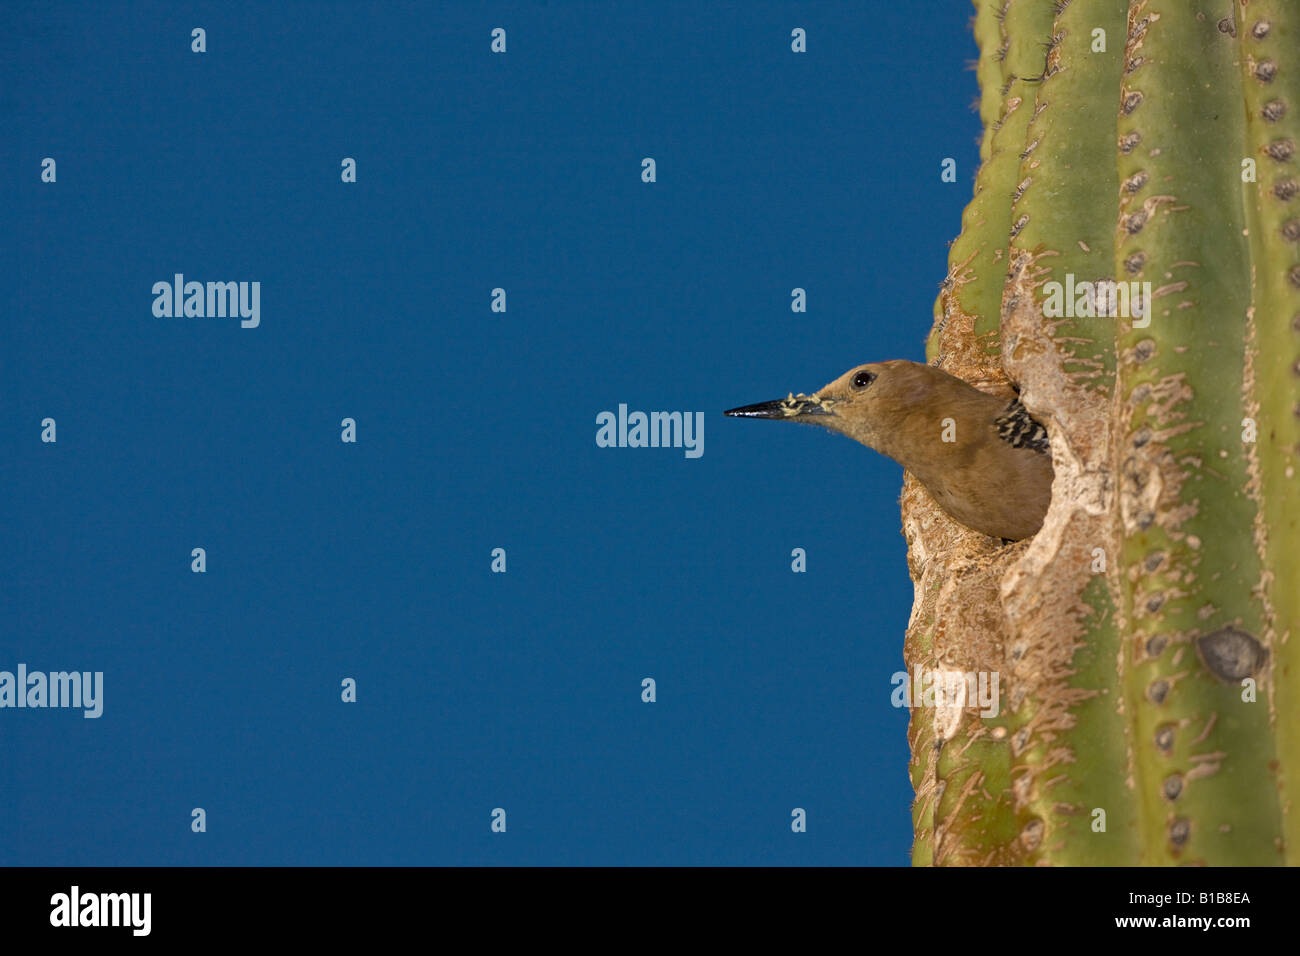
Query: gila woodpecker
x=983, y=458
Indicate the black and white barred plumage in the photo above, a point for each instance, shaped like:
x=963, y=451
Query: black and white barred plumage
x=1020, y=430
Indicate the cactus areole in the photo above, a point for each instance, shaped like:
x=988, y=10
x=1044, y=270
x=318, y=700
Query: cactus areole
x=1130, y=260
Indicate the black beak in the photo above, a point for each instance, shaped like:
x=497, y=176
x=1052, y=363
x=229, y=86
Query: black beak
x=780, y=408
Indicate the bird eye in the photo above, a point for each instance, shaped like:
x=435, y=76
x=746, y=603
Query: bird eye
x=863, y=379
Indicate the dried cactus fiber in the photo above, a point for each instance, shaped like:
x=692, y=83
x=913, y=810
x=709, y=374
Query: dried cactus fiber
x=1131, y=261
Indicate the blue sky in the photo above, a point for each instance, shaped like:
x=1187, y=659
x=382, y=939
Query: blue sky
x=475, y=429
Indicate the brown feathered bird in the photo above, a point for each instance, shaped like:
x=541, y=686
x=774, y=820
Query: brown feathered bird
x=983, y=458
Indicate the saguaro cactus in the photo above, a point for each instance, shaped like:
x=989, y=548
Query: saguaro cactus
x=1147, y=639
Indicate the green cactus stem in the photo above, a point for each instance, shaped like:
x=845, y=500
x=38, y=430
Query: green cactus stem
x=1131, y=262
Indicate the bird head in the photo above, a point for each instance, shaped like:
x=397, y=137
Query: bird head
x=868, y=403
